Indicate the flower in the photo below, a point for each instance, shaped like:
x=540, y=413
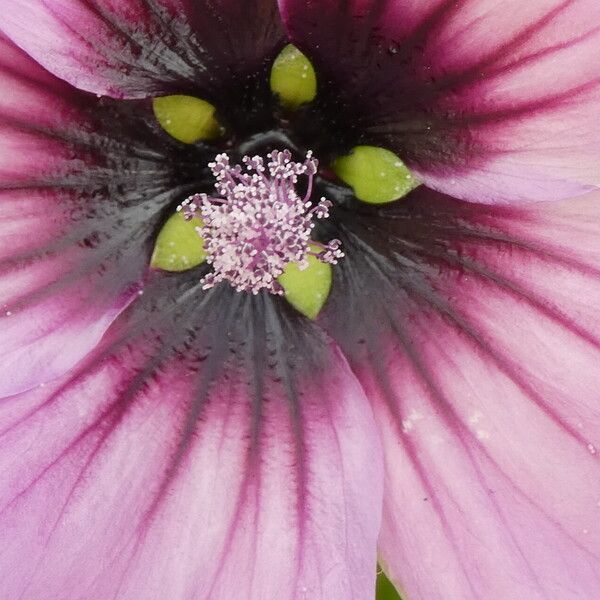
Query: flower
x=161, y=440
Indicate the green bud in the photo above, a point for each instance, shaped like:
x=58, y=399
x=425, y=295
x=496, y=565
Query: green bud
x=307, y=290
x=186, y=118
x=178, y=246
x=293, y=78
x=376, y=175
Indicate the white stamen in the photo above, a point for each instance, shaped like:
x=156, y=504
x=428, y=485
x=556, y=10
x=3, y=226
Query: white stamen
x=259, y=224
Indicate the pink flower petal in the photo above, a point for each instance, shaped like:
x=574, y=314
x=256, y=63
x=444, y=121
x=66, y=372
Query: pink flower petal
x=486, y=391
x=140, y=48
x=73, y=247
x=487, y=101
x=193, y=456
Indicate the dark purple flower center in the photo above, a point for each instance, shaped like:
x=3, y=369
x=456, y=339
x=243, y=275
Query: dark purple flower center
x=269, y=210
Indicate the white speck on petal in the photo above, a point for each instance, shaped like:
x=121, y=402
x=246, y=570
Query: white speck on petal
x=409, y=422
x=475, y=417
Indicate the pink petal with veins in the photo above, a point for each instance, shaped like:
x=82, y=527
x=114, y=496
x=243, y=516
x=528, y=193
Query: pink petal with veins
x=148, y=474
x=141, y=48
x=487, y=101
x=72, y=243
x=485, y=385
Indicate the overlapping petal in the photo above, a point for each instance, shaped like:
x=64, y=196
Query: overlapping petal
x=180, y=462
x=481, y=358
x=79, y=200
x=140, y=48
x=487, y=101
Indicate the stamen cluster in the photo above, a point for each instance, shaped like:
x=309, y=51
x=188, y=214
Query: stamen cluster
x=259, y=224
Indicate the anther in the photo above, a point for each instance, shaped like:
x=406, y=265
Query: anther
x=258, y=224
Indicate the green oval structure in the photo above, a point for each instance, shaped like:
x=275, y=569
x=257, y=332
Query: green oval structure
x=307, y=290
x=186, y=118
x=385, y=589
x=376, y=175
x=178, y=246
x=293, y=78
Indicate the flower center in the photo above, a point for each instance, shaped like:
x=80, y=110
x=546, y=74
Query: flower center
x=258, y=223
